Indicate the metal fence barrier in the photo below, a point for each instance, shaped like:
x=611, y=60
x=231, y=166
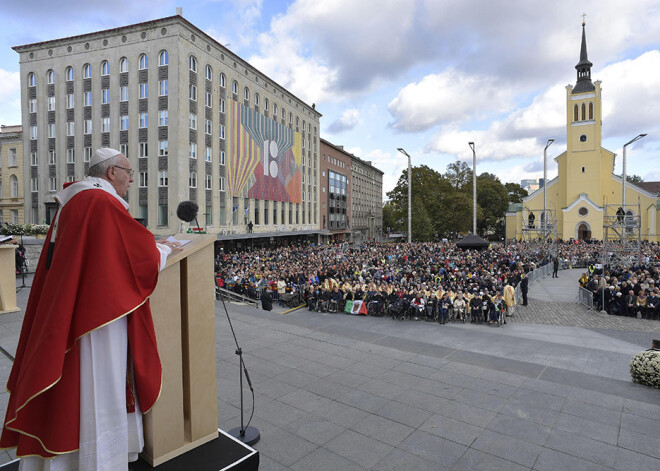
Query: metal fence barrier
x=585, y=297
x=532, y=276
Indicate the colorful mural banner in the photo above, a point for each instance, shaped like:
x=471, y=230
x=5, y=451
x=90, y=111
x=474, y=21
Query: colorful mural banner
x=264, y=156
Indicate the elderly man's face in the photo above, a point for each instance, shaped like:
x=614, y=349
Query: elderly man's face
x=120, y=175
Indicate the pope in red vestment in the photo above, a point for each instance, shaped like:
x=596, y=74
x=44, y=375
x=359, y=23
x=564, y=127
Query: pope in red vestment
x=98, y=266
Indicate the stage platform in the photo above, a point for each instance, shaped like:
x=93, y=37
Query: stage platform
x=225, y=453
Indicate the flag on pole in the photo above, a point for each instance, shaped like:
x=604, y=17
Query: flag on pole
x=359, y=308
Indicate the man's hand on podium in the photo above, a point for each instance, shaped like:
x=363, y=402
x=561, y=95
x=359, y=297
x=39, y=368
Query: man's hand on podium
x=175, y=246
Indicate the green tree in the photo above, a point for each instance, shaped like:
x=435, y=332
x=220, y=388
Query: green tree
x=516, y=192
x=493, y=199
x=459, y=174
x=634, y=179
x=422, y=225
x=389, y=218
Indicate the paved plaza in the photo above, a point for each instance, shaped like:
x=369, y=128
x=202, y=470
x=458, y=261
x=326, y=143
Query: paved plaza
x=548, y=391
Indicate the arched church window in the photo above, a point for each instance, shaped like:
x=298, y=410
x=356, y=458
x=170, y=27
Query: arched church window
x=591, y=110
x=530, y=220
x=576, y=116
x=584, y=112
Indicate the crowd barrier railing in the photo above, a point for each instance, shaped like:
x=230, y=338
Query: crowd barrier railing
x=585, y=297
x=534, y=275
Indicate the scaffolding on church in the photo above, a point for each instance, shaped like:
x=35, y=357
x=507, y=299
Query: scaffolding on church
x=539, y=230
x=622, y=235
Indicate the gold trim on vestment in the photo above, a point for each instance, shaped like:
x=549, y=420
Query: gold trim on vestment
x=8, y=422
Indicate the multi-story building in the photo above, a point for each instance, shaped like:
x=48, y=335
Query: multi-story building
x=11, y=175
x=335, y=196
x=196, y=121
x=366, y=200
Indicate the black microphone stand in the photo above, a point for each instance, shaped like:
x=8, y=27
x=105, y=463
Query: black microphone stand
x=247, y=434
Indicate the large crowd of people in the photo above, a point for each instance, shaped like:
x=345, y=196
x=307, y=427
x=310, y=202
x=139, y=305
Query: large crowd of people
x=436, y=281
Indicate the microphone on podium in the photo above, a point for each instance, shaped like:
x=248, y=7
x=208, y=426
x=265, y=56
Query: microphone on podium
x=187, y=212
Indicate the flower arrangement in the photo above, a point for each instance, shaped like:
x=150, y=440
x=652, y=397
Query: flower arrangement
x=645, y=368
x=24, y=229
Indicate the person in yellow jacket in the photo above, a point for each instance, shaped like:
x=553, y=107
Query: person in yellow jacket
x=509, y=295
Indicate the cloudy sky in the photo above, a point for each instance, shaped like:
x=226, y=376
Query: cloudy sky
x=425, y=75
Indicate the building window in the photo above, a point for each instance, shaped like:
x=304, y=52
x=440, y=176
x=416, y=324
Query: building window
x=162, y=178
x=256, y=212
x=143, y=149
x=13, y=186
x=162, y=88
x=32, y=80
x=208, y=127
x=193, y=150
x=87, y=126
x=584, y=112
x=207, y=184
x=207, y=99
x=591, y=110
x=208, y=73
x=222, y=80
x=234, y=87
x=192, y=63
x=123, y=149
x=52, y=157
x=222, y=105
x=144, y=90
x=162, y=215
x=192, y=93
x=283, y=115
x=192, y=121
x=144, y=179
x=222, y=131
x=34, y=158
x=105, y=125
x=583, y=169
x=274, y=111
x=70, y=156
x=87, y=99
x=208, y=155
x=13, y=158
x=246, y=94
x=105, y=96
x=222, y=157
x=162, y=148
x=70, y=128
x=32, y=105
x=162, y=118
x=69, y=74
x=123, y=65
x=144, y=120
x=290, y=118
x=163, y=58
x=144, y=62
x=70, y=101
x=87, y=71
x=52, y=184
x=34, y=184
x=51, y=130
x=222, y=183
x=50, y=76
x=105, y=68
x=192, y=180
x=123, y=123
x=266, y=105
x=256, y=99
x=124, y=93
x=88, y=154
x=209, y=215
x=583, y=211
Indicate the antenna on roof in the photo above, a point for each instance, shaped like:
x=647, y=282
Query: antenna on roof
x=179, y=11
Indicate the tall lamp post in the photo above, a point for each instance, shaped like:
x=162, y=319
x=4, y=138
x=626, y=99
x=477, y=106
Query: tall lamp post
x=409, y=196
x=474, y=188
x=545, y=184
x=623, y=185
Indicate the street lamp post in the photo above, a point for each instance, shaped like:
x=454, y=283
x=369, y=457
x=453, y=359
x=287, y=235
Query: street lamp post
x=409, y=196
x=474, y=188
x=545, y=184
x=623, y=184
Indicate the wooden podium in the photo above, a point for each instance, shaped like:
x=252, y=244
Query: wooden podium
x=183, y=309
x=8, y=279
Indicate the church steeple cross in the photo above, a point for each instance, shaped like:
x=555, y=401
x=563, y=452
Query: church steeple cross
x=583, y=16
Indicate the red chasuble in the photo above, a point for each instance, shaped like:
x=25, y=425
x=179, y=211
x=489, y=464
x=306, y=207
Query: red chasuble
x=104, y=266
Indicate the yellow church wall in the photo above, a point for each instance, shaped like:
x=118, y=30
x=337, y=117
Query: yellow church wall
x=572, y=220
x=512, y=224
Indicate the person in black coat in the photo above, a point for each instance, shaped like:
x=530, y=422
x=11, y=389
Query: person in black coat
x=266, y=301
x=524, y=286
x=555, y=267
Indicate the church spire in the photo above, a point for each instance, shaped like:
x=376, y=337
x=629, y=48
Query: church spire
x=583, y=67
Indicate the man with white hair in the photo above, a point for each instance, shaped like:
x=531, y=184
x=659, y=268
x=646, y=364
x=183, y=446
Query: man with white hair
x=87, y=362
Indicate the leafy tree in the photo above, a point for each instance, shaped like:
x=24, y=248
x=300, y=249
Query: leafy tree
x=422, y=226
x=493, y=199
x=459, y=174
x=634, y=179
x=516, y=192
x=389, y=217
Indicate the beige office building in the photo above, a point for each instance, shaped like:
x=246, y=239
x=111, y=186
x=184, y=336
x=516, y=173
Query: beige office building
x=366, y=200
x=196, y=121
x=11, y=175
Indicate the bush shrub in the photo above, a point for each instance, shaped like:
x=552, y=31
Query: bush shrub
x=645, y=368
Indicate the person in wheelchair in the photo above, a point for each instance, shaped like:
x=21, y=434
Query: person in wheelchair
x=324, y=300
x=498, y=310
x=431, y=307
x=459, y=307
x=443, y=308
x=486, y=306
x=375, y=307
x=475, y=307
x=335, y=300
x=417, y=306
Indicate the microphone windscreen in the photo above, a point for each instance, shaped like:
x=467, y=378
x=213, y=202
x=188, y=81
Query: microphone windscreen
x=187, y=211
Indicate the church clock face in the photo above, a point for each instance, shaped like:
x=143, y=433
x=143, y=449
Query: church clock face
x=583, y=138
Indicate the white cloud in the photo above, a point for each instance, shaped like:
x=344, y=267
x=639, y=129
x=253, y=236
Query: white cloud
x=348, y=120
x=447, y=97
x=10, y=97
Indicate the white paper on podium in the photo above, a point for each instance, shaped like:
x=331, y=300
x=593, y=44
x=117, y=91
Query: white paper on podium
x=182, y=242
